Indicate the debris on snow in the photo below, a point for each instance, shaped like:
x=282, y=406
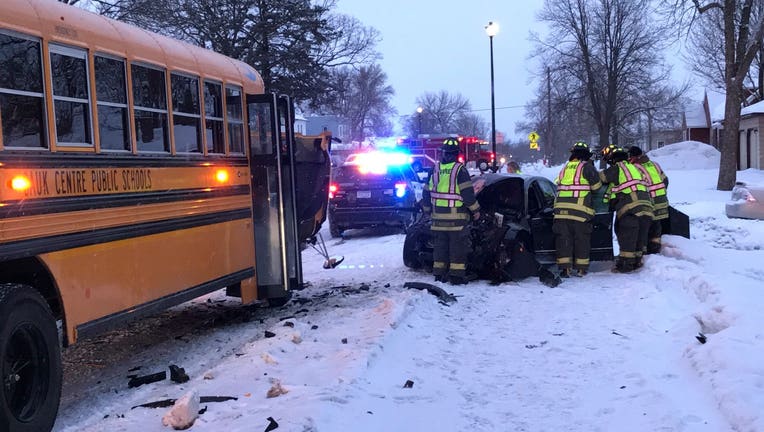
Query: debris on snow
x=164, y=403
x=136, y=381
x=701, y=338
x=344, y=340
x=267, y=358
x=432, y=289
x=269, y=334
x=296, y=338
x=272, y=424
x=184, y=413
x=276, y=390
x=209, y=376
x=178, y=374
x=408, y=384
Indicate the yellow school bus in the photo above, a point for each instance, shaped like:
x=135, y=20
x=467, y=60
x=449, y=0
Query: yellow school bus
x=136, y=172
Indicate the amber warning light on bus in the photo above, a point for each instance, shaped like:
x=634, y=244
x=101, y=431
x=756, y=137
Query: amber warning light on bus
x=221, y=176
x=20, y=183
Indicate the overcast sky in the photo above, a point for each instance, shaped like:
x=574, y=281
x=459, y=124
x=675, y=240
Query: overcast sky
x=433, y=45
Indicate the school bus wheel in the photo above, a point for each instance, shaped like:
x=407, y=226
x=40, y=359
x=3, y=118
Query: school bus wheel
x=30, y=361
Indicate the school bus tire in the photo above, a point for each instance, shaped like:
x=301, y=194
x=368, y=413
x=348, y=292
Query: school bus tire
x=30, y=361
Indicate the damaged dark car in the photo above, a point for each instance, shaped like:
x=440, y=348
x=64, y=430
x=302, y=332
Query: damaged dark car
x=513, y=239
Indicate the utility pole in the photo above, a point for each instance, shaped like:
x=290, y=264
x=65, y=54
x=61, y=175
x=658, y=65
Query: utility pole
x=549, y=148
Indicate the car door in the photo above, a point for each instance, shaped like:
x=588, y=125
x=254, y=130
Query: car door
x=540, y=208
x=602, y=229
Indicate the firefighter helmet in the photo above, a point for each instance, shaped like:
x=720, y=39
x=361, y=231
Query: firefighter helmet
x=450, y=145
x=607, y=152
x=580, y=150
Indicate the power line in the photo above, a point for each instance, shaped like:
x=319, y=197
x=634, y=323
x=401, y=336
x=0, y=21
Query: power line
x=499, y=108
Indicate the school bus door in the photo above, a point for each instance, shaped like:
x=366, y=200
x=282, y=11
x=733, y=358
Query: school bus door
x=277, y=254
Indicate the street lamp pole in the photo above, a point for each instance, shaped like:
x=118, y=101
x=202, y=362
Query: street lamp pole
x=492, y=29
x=419, y=117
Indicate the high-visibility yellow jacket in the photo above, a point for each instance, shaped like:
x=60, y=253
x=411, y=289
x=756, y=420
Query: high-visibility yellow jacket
x=657, y=183
x=628, y=190
x=575, y=184
x=450, y=197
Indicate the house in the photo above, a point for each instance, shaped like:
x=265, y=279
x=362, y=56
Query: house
x=337, y=125
x=300, y=123
x=703, y=122
x=750, y=154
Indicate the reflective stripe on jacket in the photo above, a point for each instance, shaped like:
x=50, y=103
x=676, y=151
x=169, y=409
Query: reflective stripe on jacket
x=451, y=195
x=446, y=191
x=657, y=187
x=628, y=192
x=575, y=183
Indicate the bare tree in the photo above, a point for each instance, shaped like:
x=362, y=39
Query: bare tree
x=292, y=43
x=362, y=97
x=70, y=2
x=608, y=52
x=742, y=31
x=440, y=112
x=472, y=124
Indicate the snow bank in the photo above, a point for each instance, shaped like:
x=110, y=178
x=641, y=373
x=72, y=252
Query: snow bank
x=686, y=155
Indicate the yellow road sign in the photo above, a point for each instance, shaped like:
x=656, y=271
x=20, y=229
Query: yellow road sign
x=533, y=137
x=534, y=145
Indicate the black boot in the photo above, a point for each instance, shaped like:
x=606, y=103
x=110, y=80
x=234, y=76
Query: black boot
x=565, y=273
x=440, y=278
x=457, y=280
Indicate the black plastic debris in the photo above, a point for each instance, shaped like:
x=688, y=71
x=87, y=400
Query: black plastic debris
x=178, y=374
x=269, y=334
x=701, y=338
x=313, y=327
x=289, y=324
x=146, y=379
x=272, y=424
x=408, y=384
x=170, y=402
x=438, y=292
x=203, y=410
x=344, y=340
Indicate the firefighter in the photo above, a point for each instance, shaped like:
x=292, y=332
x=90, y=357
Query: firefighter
x=574, y=210
x=513, y=167
x=658, y=182
x=450, y=198
x=629, y=198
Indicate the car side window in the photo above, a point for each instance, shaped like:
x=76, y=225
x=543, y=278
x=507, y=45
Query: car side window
x=548, y=193
x=534, y=203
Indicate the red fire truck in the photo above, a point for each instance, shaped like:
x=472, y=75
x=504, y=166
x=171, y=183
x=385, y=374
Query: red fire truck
x=425, y=150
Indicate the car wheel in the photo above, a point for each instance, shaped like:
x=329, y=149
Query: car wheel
x=409, y=222
x=483, y=165
x=411, y=252
x=30, y=361
x=334, y=230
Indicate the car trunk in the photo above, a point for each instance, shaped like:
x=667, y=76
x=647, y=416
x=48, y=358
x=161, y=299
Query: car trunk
x=356, y=189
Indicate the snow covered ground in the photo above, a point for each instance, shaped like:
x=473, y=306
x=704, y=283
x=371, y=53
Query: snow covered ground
x=608, y=352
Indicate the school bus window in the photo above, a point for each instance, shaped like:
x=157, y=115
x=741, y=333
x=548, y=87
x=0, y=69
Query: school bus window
x=213, y=111
x=233, y=101
x=150, y=108
x=71, y=95
x=185, y=114
x=111, y=97
x=21, y=92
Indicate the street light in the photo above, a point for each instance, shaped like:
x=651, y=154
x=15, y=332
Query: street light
x=419, y=117
x=492, y=29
